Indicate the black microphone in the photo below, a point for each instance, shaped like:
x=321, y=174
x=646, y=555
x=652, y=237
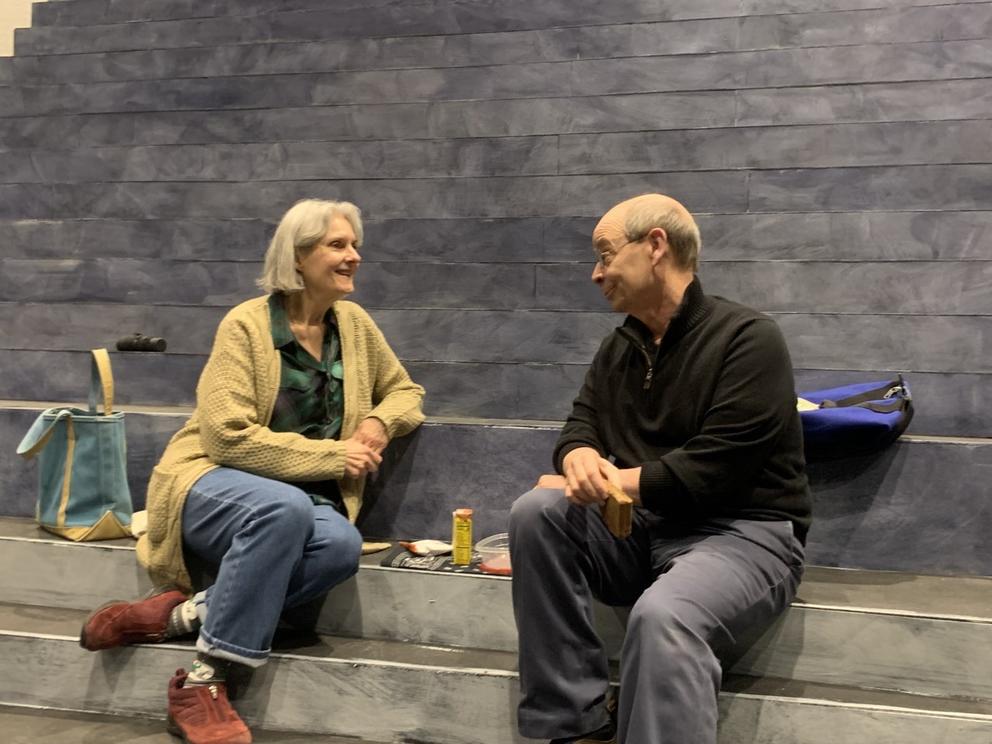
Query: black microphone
x=140, y=342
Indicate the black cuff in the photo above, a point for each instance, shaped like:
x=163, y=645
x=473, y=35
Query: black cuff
x=661, y=491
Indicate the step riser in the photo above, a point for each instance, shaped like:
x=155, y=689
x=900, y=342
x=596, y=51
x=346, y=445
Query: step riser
x=598, y=77
x=392, y=702
x=351, y=698
x=91, y=13
x=941, y=100
x=519, y=391
x=321, y=24
x=873, y=650
x=791, y=191
x=694, y=37
x=830, y=236
x=762, y=721
x=67, y=575
x=921, y=655
x=854, y=498
x=798, y=287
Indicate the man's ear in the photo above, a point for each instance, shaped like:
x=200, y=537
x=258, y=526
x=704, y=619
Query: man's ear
x=658, y=239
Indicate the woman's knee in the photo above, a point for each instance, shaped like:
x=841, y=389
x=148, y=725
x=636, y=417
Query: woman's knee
x=289, y=513
x=339, y=555
x=351, y=548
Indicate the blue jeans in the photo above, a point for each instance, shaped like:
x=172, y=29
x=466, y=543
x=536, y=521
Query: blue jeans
x=274, y=549
x=697, y=590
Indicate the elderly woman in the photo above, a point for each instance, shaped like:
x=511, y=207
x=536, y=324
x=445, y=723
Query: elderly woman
x=297, y=401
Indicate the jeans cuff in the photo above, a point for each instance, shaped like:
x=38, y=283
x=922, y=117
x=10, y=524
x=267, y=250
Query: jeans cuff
x=222, y=650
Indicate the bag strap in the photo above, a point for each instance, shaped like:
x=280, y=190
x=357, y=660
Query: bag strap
x=70, y=452
x=40, y=432
x=880, y=393
x=896, y=404
x=38, y=436
x=101, y=382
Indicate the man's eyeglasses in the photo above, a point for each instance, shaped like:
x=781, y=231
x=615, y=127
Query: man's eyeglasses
x=605, y=258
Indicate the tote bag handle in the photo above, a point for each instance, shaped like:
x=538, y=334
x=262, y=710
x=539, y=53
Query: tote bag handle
x=101, y=382
x=101, y=388
x=41, y=431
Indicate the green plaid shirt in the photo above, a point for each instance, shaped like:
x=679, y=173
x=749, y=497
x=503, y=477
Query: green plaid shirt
x=311, y=393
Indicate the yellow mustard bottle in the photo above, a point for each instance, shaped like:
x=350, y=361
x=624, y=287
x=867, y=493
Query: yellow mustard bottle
x=461, y=537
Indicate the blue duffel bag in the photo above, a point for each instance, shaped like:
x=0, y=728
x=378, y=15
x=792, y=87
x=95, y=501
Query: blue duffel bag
x=854, y=419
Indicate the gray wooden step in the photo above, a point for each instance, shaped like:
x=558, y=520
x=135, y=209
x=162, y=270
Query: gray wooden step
x=27, y=725
x=385, y=691
x=922, y=634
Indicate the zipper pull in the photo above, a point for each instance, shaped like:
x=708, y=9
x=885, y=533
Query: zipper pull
x=648, y=376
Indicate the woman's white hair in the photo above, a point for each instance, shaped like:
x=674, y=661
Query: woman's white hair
x=299, y=230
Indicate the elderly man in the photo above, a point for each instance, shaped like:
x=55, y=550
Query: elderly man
x=689, y=407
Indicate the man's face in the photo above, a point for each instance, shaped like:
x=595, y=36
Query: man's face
x=623, y=271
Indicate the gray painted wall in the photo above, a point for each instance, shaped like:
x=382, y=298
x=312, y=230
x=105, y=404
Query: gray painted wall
x=836, y=153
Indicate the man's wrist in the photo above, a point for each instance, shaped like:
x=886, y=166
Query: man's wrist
x=579, y=449
x=630, y=482
x=568, y=449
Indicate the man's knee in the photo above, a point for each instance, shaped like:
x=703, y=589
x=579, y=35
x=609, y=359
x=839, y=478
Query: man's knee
x=531, y=511
x=676, y=627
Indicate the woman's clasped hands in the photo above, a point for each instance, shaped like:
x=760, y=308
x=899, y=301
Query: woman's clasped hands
x=363, y=449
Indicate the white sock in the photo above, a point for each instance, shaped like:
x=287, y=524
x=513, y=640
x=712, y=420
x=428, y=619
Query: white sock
x=207, y=669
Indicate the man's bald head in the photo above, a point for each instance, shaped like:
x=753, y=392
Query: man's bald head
x=635, y=217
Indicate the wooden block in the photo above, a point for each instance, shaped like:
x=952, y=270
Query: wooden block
x=617, y=512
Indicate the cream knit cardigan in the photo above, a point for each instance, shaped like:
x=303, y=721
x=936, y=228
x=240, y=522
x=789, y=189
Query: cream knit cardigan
x=229, y=427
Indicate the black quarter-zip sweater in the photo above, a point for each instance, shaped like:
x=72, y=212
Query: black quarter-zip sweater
x=709, y=414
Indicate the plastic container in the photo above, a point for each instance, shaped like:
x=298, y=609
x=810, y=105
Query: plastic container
x=494, y=552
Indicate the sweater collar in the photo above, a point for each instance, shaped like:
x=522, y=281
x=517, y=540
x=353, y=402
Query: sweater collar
x=690, y=312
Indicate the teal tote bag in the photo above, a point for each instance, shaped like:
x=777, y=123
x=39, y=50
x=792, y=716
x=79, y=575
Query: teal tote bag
x=82, y=464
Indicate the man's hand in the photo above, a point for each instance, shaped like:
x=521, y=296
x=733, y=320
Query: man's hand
x=361, y=458
x=372, y=433
x=551, y=480
x=586, y=476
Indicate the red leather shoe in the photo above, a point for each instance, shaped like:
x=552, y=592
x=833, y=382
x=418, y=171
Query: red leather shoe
x=202, y=714
x=122, y=623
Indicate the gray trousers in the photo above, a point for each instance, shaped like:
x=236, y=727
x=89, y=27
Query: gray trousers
x=695, y=590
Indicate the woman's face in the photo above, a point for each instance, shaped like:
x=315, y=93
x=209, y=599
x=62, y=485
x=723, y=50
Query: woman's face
x=328, y=269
